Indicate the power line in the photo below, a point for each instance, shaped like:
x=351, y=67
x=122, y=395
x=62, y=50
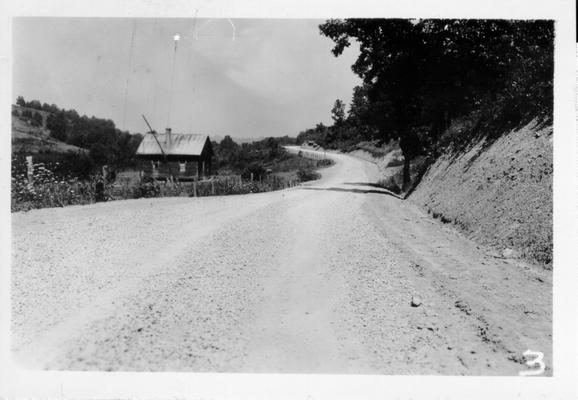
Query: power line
x=189, y=64
x=176, y=38
x=128, y=74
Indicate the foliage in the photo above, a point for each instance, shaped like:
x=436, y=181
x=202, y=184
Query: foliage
x=255, y=170
x=338, y=112
x=48, y=189
x=146, y=190
x=419, y=75
x=69, y=164
x=247, y=158
x=36, y=119
x=307, y=175
x=56, y=123
x=359, y=106
x=390, y=183
x=106, y=144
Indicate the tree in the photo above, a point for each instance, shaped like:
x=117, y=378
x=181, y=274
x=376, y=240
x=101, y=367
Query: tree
x=272, y=147
x=389, y=63
x=422, y=73
x=37, y=119
x=34, y=104
x=20, y=101
x=359, y=105
x=338, y=112
x=100, y=154
x=228, y=147
x=56, y=123
x=228, y=151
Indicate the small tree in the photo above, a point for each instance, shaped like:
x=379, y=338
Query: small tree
x=359, y=105
x=56, y=123
x=36, y=119
x=34, y=104
x=20, y=101
x=338, y=112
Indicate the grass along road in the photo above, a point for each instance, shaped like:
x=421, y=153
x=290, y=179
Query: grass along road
x=318, y=278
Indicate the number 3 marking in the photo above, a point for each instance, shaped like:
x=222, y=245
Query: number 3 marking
x=538, y=361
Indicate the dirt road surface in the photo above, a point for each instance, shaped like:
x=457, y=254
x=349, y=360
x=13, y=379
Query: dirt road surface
x=318, y=278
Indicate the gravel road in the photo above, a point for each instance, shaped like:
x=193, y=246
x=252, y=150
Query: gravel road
x=318, y=278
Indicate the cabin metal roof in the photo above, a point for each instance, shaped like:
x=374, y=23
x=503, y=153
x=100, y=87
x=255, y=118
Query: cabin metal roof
x=180, y=144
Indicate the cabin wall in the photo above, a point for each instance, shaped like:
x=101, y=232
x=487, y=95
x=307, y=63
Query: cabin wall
x=197, y=168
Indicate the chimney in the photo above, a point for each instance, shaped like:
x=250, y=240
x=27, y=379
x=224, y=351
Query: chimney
x=168, y=139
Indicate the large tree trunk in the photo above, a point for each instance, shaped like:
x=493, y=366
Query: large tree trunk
x=406, y=175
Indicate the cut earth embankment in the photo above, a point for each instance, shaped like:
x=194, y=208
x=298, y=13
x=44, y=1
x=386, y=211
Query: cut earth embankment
x=498, y=193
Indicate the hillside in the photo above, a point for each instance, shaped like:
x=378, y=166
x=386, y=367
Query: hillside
x=30, y=139
x=498, y=193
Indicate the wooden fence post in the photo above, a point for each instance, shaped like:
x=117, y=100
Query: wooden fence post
x=195, y=188
x=29, y=168
x=213, y=186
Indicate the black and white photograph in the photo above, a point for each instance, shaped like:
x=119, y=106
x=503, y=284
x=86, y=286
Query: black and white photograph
x=323, y=196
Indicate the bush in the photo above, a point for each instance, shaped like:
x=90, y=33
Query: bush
x=255, y=169
x=305, y=175
x=326, y=162
x=48, y=190
x=77, y=164
x=36, y=119
x=394, y=182
x=146, y=190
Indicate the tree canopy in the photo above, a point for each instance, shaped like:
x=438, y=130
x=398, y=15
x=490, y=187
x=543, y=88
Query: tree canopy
x=106, y=144
x=421, y=74
x=338, y=112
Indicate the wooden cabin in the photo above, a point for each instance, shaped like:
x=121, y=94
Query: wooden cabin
x=177, y=155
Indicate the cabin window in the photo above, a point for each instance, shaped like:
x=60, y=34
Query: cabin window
x=182, y=166
x=155, y=165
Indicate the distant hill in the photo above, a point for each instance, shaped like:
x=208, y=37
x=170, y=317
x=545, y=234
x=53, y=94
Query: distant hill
x=30, y=136
x=239, y=140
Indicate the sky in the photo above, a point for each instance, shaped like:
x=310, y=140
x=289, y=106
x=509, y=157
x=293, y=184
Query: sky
x=239, y=77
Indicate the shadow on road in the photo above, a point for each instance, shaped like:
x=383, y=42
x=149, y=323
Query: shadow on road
x=375, y=185
x=363, y=191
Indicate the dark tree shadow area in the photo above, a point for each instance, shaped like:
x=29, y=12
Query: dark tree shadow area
x=375, y=185
x=380, y=187
x=362, y=191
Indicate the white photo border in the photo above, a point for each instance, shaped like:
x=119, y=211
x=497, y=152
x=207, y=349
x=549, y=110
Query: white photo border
x=17, y=384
